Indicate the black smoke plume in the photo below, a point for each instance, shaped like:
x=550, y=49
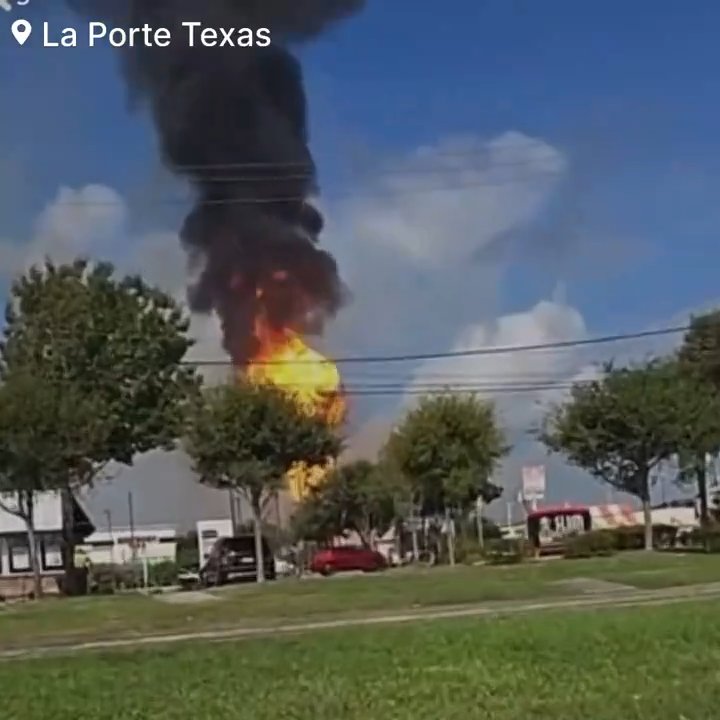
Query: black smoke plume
x=233, y=121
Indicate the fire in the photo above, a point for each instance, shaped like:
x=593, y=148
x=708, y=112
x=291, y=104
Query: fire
x=285, y=360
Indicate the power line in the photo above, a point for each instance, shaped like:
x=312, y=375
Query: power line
x=378, y=174
x=477, y=352
x=346, y=196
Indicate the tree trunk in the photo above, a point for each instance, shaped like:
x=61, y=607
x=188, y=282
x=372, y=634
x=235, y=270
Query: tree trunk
x=449, y=528
x=68, y=531
x=257, y=529
x=647, y=519
x=701, y=475
x=33, y=546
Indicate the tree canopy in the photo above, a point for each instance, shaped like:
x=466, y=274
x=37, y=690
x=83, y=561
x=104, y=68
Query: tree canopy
x=447, y=449
x=700, y=349
x=115, y=345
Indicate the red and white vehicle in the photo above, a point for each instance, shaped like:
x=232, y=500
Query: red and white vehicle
x=549, y=526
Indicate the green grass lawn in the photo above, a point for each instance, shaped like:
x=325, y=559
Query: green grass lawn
x=56, y=620
x=660, y=663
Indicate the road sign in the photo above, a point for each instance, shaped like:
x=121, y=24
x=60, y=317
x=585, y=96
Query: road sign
x=533, y=482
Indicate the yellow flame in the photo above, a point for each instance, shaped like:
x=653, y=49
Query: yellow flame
x=286, y=361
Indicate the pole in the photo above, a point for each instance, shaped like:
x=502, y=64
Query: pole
x=478, y=517
x=233, y=512
x=112, y=539
x=131, y=520
x=509, y=514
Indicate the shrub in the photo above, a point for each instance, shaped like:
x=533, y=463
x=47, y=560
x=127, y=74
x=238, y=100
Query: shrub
x=506, y=551
x=632, y=537
x=106, y=579
x=163, y=574
x=707, y=538
x=468, y=550
x=597, y=543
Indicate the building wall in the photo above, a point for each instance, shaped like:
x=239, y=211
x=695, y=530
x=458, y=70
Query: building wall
x=209, y=532
x=15, y=554
x=153, y=544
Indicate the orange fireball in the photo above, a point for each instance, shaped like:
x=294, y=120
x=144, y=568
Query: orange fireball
x=285, y=360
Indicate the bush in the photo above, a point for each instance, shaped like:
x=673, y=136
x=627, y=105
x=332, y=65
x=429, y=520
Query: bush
x=633, y=537
x=468, y=550
x=163, y=574
x=506, y=551
x=597, y=543
x=707, y=538
x=106, y=579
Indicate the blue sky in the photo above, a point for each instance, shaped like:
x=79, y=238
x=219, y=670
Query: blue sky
x=626, y=91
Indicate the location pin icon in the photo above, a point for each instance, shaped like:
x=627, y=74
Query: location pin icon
x=22, y=30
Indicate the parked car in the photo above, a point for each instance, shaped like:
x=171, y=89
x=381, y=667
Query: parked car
x=233, y=560
x=345, y=559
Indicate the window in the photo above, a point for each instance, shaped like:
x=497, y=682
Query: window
x=19, y=554
x=52, y=558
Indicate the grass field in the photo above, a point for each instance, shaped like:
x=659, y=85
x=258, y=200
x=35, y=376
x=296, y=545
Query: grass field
x=659, y=663
x=131, y=615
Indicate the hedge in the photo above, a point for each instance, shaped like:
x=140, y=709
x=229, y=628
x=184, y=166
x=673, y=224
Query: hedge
x=506, y=551
x=707, y=538
x=606, y=542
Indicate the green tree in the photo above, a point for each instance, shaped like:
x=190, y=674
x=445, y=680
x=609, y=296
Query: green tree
x=39, y=427
x=116, y=346
x=247, y=436
x=447, y=449
x=620, y=427
x=699, y=359
x=356, y=497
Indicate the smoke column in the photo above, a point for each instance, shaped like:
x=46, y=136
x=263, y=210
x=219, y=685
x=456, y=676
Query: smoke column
x=233, y=121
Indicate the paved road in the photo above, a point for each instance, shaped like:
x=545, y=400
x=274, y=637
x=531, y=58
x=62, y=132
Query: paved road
x=635, y=598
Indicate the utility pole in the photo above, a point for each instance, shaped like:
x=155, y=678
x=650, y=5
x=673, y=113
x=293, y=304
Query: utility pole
x=131, y=519
x=233, y=511
x=479, y=519
x=108, y=516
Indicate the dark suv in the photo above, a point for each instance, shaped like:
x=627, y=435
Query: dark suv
x=233, y=560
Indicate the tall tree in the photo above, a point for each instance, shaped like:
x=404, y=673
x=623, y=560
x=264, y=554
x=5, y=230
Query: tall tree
x=116, y=345
x=247, y=436
x=39, y=426
x=356, y=497
x=699, y=358
x=447, y=449
x=620, y=427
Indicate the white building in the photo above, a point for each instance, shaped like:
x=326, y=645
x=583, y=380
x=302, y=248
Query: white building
x=121, y=546
x=15, y=564
x=208, y=533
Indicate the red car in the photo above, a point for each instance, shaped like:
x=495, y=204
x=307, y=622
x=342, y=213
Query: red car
x=345, y=559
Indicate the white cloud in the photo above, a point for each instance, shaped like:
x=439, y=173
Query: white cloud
x=445, y=202
x=423, y=245
x=87, y=221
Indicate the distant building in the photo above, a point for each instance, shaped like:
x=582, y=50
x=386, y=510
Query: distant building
x=121, y=546
x=208, y=533
x=15, y=565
